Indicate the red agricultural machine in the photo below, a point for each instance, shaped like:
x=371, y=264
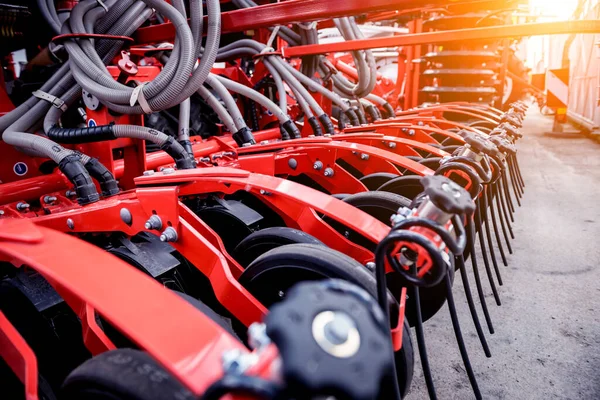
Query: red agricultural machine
x=198, y=199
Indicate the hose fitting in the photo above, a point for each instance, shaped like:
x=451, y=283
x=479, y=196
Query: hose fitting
x=292, y=129
x=182, y=158
x=99, y=172
x=373, y=112
x=316, y=127
x=84, y=186
x=244, y=136
x=327, y=124
x=351, y=114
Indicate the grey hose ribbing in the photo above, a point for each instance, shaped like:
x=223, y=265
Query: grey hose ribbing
x=48, y=17
x=229, y=101
x=216, y=105
x=256, y=96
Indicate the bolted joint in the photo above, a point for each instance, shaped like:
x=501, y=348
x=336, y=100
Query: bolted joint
x=153, y=223
x=328, y=172
x=392, y=145
x=364, y=156
x=22, y=206
x=318, y=165
x=49, y=199
x=169, y=235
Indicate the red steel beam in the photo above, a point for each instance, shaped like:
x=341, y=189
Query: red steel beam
x=287, y=12
x=485, y=33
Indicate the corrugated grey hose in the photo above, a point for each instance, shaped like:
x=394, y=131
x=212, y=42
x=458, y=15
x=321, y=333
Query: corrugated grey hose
x=216, y=105
x=30, y=112
x=11, y=117
x=286, y=123
x=174, y=84
x=278, y=67
x=49, y=16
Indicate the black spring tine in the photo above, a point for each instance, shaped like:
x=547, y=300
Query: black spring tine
x=485, y=221
x=421, y=342
x=507, y=196
x=460, y=261
x=514, y=185
x=471, y=243
x=459, y=338
x=495, y=224
x=517, y=181
x=505, y=207
x=513, y=160
x=484, y=255
x=502, y=214
x=519, y=169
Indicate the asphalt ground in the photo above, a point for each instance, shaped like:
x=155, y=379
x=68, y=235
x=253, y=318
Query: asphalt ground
x=546, y=343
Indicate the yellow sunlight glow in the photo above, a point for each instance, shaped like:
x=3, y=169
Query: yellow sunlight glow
x=553, y=9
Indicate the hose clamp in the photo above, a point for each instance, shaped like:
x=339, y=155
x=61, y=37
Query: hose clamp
x=55, y=101
x=137, y=96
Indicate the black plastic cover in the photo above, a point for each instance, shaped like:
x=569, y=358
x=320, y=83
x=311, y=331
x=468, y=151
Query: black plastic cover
x=244, y=136
x=309, y=370
x=81, y=135
x=74, y=170
x=315, y=126
x=327, y=124
x=108, y=183
x=447, y=195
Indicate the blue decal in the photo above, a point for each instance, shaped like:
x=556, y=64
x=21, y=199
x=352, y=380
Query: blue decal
x=91, y=122
x=20, y=168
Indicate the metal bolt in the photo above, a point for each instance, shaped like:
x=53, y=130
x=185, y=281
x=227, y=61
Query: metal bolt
x=168, y=171
x=364, y=156
x=70, y=193
x=318, y=165
x=293, y=164
x=265, y=193
x=392, y=145
x=168, y=235
x=154, y=222
x=126, y=216
x=328, y=172
x=246, y=144
x=22, y=206
x=411, y=132
x=1, y=213
x=205, y=159
x=257, y=336
x=420, y=123
x=264, y=142
x=370, y=266
x=150, y=172
x=70, y=223
x=49, y=199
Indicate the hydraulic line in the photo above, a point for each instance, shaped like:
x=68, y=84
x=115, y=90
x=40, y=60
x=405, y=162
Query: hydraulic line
x=230, y=105
x=216, y=105
x=176, y=82
x=264, y=101
x=48, y=16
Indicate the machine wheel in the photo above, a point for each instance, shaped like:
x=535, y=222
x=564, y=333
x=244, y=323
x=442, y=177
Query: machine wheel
x=381, y=205
x=374, y=181
x=123, y=374
x=260, y=242
x=407, y=186
x=270, y=276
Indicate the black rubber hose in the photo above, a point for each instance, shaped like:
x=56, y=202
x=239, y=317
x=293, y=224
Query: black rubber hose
x=244, y=136
x=372, y=111
x=315, y=126
x=327, y=124
x=291, y=128
x=81, y=135
x=362, y=118
x=72, y=168
x=99, y=172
